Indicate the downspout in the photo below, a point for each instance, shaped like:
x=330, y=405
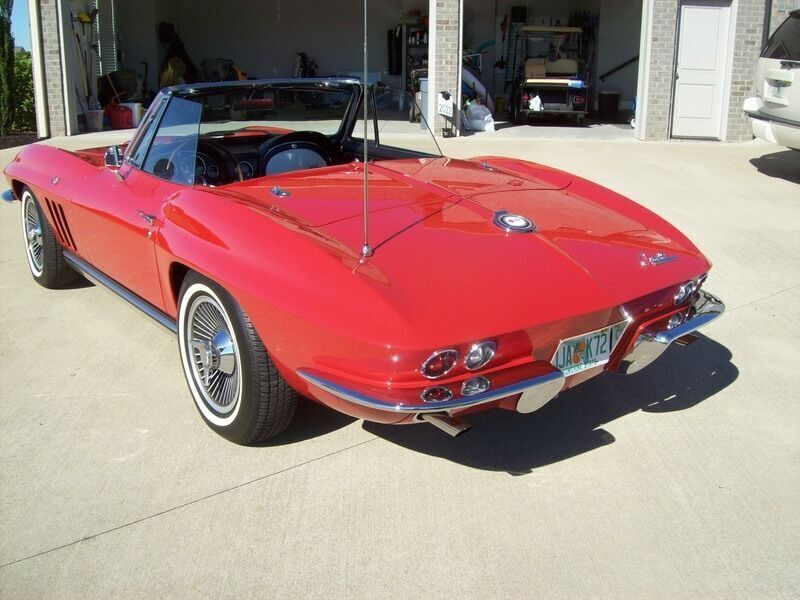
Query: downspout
x=432, y=38
x=65, y=89
x=37, y=55
x=456, y=94
x=643, y=84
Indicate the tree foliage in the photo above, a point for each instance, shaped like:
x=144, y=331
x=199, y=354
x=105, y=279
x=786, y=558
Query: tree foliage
x=24, y=107
x=6, y=67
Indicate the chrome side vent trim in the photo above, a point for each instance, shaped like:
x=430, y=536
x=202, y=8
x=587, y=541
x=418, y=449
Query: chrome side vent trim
x=59, y=220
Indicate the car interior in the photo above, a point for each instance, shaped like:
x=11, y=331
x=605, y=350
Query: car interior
x=230, y=135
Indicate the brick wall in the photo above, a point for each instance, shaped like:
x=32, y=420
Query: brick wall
x=662, y=55
x=747, y=45
x=53, y=81
x=446, y=62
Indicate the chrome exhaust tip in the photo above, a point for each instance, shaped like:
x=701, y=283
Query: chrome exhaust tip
x=450, y=425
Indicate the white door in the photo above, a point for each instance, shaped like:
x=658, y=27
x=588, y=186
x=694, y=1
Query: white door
x=701, y=69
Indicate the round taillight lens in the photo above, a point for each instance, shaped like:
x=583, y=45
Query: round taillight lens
x=479, y=355
x=683, y=293
x=473, y=386
x=675, y=320
x=437, y=393
x=439, y=364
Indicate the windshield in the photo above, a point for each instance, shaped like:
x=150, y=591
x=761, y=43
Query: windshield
x=288, y=108
x=785, y=42
x=227, y=133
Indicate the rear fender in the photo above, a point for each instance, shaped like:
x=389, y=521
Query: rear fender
x=302, y=291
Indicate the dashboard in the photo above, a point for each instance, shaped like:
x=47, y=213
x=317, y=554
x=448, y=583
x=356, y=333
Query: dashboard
x=209, y=168
x=223, y=159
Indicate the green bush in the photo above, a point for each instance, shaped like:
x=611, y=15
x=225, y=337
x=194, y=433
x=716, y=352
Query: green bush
x=6, y=67
x=24, y=113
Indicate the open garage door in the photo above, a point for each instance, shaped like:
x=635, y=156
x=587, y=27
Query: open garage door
x=602, y=56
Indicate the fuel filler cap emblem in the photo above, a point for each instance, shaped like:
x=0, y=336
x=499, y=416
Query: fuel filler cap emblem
x=511, y=223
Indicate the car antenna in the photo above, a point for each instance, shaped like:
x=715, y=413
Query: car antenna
x=366, y=249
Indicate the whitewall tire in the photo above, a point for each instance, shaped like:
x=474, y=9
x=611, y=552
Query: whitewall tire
x=42, y=250
x=233, y=381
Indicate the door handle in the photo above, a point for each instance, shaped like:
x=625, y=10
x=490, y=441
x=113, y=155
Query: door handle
x=150, y=219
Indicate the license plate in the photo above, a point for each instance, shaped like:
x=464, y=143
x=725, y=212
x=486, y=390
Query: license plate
x=588, y=350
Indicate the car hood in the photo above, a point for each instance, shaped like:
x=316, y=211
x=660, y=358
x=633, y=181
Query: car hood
x=431, y=223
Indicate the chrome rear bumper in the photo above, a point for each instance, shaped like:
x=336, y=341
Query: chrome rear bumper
x=651, y=343
x=536, y=390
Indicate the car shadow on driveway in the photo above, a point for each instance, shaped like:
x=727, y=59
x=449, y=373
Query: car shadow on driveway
x=311, y=420
x=572, y=423
x=783, y=165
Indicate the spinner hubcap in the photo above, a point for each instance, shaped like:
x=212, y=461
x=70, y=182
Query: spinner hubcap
x=213, y=355
x=33, y=234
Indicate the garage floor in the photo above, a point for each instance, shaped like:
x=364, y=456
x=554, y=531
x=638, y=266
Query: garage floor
x=558, y=129
x=680, y=481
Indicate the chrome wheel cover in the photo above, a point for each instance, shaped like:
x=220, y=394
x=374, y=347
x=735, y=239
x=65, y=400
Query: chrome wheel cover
x=32, y=230
x=212, y=354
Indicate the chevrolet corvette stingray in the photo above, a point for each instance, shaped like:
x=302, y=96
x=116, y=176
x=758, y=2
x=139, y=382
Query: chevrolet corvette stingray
x=407, y=288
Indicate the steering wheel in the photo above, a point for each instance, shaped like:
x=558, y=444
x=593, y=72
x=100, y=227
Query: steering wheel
x=223, y=157
x=311, y=141
x=212, y=149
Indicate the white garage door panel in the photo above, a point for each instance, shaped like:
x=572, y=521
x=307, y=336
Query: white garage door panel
x=701, y=26
x=701, y=69
x=696, y=102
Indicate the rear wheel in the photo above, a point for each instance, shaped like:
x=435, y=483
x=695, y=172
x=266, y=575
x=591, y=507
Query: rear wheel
x=42, y=249
x=233, y=381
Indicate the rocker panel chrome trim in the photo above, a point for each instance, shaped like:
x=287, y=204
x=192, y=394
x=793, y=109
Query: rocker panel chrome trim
x=99, y=278
x=553, y=380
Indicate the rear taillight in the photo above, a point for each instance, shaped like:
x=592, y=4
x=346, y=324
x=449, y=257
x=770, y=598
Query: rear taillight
x=437, y=393
x=476, y=385
x=683, y=293
x=439, y=364
x=479, y=355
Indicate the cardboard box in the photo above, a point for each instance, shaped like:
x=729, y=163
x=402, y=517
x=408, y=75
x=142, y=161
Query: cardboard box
x=535, y=68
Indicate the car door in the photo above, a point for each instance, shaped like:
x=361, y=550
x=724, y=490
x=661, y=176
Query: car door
x=122, y=210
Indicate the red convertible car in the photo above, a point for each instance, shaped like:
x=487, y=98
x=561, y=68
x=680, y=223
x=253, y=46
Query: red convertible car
x=236, y=217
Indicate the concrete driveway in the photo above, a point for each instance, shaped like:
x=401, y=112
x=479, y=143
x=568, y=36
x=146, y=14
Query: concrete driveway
x=680, y=481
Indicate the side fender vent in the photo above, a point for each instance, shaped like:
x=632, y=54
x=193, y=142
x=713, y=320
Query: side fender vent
x=59, y=220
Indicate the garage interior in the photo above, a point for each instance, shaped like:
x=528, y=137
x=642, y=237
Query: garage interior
x=263, y=40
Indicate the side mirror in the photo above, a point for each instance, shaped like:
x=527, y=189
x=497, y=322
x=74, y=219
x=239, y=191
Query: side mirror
x=113, y=157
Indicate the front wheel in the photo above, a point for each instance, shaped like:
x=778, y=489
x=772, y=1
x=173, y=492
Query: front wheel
x=42, y=249
x=233, y=381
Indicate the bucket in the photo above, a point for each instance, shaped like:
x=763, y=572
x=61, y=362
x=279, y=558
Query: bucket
x=94, y=120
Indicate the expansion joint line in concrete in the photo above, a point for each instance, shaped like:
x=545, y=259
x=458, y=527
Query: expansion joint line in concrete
x=189, y=503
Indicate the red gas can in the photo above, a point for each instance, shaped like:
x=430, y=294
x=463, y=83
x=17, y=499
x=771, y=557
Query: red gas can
x=121, y=117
